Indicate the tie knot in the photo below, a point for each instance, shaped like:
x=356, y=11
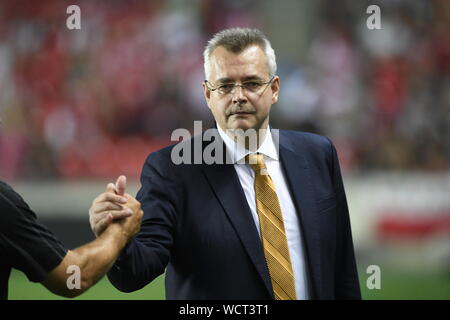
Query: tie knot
x=256, y=161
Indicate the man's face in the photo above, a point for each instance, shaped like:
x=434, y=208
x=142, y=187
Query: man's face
x=241, y=108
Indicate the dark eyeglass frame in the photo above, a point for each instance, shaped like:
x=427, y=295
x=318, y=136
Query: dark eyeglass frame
x=234, y=85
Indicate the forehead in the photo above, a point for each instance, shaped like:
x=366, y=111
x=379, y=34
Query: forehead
x=252, y=61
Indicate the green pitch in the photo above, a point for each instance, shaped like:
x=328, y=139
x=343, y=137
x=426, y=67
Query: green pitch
x=394, y=285
x=22, y=289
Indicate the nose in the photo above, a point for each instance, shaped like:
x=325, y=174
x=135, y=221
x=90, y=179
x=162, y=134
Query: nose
x=238, y=95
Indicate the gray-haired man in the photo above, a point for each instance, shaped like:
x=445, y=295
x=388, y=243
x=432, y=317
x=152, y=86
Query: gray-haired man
x=274, y=228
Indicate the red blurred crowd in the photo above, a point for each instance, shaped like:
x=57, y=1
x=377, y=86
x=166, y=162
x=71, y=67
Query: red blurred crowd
x=94, y=102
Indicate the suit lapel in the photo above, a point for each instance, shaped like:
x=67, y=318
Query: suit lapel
x=299, y=180
x=224, y=181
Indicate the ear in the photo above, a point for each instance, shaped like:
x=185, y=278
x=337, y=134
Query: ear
x=206, y=93
x=275, y=86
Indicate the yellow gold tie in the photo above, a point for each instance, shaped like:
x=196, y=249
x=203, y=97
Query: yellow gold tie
x=272, y=231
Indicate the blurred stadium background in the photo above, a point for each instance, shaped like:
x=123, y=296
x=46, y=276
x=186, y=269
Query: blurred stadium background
x=80, y=107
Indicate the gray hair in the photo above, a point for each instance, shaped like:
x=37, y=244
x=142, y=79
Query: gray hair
x=236, y=40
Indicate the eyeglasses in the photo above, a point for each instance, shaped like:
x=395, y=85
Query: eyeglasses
x=250, y=86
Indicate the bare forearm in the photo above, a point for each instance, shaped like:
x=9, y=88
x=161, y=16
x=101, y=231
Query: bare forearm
x=93, y=260
x=97, y=257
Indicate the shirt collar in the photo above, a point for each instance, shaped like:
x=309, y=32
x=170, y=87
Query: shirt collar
x=239, y=152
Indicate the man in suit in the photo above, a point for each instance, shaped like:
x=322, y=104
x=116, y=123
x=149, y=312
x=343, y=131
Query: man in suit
x=270, y=223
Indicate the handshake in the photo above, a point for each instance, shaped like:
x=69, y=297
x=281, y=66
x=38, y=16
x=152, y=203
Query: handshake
x=116, y=208
x=115, y=218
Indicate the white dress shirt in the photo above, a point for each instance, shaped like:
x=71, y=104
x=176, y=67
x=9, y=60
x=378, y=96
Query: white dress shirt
x=246, y=175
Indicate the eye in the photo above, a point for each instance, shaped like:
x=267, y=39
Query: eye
x=252, y=85
x=226, y=87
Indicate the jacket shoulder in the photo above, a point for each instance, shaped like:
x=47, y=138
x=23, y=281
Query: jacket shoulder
x=177, y=156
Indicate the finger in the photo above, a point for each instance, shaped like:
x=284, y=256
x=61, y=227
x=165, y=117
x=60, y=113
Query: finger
x=121, y=184
x=113, y=215
x=108, y=196
x=111, y=188
x=105, y=206
x=116, y=215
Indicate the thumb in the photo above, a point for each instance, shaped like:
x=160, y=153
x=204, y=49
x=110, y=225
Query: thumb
x=121, y=185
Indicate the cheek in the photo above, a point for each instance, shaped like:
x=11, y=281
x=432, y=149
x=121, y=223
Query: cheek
x=262, y=105
x=218, y=107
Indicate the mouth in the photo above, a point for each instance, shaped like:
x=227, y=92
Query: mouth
x=241, y=113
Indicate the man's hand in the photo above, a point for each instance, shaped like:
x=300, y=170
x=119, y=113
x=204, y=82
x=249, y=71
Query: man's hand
x=96, y=258
x=131, y=225
x=112, y=205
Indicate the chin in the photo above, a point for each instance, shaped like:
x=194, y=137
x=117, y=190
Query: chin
x=243, y=124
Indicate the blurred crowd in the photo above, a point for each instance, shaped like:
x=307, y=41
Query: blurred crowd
x=94, y=102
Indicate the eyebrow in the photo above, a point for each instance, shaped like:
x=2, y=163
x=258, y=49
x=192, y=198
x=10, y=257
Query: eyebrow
x=247, y=78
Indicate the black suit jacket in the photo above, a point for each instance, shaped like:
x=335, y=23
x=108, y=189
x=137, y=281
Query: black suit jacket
x=198, y=224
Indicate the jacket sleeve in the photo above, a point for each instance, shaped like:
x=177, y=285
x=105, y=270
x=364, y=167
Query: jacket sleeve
x=346, y=274
x=147, y=254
